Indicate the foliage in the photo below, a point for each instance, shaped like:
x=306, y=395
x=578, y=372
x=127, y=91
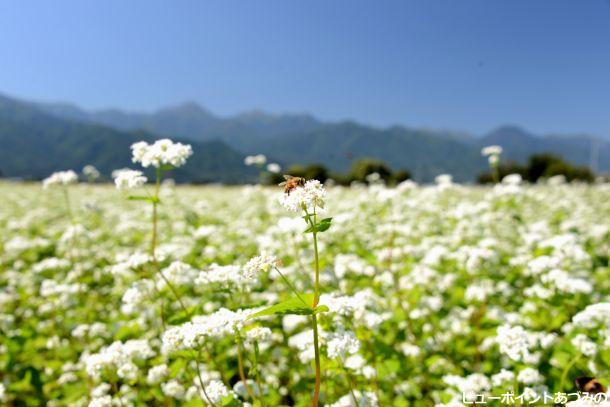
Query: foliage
x=541, y=166
x=415, y=285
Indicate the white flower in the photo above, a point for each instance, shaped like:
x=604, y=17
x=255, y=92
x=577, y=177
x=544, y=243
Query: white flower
x=444, y=180
x=593, y=315
x=512, y=179
x=258, y=335
x=91, y=172
x=514, y=342
x=60, y=178
x=584, y=345
x=529, y=376
x=119, y=356
x=216, y=391
x=505, y=376
x=161, y=152
x=274, y=168
x=258, y=159
x=192, y=335
x=103, y=401
x=128, y=179
x=173, y=389
x=365, y=399
x=491, y=151
x=342, y=343
x=157, y=373
x=306, y=197
x=128, y=371
x=259, y=264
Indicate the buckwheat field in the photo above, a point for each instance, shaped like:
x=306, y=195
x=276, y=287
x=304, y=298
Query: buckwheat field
x=152, y=294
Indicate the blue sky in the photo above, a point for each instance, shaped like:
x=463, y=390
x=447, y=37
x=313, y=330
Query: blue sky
x=457, y=64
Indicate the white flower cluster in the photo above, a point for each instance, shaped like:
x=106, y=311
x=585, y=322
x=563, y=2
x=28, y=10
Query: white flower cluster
x=444, y=181
x=492, y=153
x=309, y=196
x=514, y=342
x=118, y=356
x=161, y=152
x=593, y=315
x=364, y=399
x=259, y=264
x=342, y=343
x=135, y=296
x=584, y=345
x=192, y=335
x=258, y=335
x=173, y=389
x=91, y=172
x=225, y=275
x=274, y=168
x=60, y=178
x=491, y=150
x=470, y=385
x=216, y=391
x=258, y=159
x=128, y=179
x=127, y=263
x=178, y=273
x=156, y=374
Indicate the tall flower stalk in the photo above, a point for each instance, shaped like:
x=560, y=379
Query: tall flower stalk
x=163, y=155
x=306, y=198
x=493, y=157
x=63, y=179
x=312, y=221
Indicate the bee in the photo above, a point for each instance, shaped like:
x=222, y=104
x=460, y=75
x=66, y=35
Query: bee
x=589, y=385
x=291, y=183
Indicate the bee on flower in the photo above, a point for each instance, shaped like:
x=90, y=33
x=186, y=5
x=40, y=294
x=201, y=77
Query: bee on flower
x=302, y=195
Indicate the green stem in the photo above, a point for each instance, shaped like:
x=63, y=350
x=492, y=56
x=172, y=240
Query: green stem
x=316, y=392
x=117, y=393
x=316, y=292
x=257, y=374
x=68, y=205
x=153, y=241
x=350, y=383
x=240, y=366
x=200, y=379
x=72, y=221
x=316, y=298
x=567, y=369
x=155, y=202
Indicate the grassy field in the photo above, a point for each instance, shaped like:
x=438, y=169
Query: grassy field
x=426, y=295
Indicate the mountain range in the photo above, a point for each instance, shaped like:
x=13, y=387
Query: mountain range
x=38, y=138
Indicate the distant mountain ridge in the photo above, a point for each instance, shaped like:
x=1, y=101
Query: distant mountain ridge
x=33, y=144
x=190, y=120
x=301, y=139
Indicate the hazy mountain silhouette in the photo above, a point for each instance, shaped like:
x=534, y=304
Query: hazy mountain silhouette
x=294, y=139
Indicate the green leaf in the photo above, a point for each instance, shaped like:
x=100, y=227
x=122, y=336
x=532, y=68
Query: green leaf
x=320, y=309
x=182, y=316
x=321, y=226
x=300, y=305
x=229, y=401
x=167, y=167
